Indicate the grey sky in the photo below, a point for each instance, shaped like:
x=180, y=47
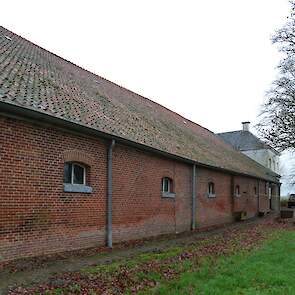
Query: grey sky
x=210, y=61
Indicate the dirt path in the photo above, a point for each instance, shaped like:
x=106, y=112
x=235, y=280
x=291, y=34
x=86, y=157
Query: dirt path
x=48, y=269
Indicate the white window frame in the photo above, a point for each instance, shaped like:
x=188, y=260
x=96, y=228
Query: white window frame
x=72, y=187
x=239, y=187
x=211, y=184
x=168, y=194
x=169, y=184
x=72, y=173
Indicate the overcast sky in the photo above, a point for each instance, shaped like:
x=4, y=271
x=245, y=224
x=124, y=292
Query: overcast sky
x=210, y=61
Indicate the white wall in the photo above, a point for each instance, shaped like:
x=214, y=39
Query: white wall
x=265, y=157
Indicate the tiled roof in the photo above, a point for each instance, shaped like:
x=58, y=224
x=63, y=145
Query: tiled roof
x=244, y=140
x=32, y=77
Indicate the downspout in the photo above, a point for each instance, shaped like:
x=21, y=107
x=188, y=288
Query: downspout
x=232, y=191
x=110, y=195
x=194, y=197
x=279, y=196
x=269, y=196
x=258, y=197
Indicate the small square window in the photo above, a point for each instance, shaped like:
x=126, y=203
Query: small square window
x=74, y=174
x=75, y=178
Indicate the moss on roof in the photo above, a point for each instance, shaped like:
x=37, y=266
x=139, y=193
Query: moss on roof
x=32, y=77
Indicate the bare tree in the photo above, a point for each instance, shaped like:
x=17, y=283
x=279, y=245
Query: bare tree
x=277, y=125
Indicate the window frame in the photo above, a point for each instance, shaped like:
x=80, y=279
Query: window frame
x=169, y=185
x=73, y=187
x=72, y=173
x=170, y=193
x=211, y=189
x=237, y=187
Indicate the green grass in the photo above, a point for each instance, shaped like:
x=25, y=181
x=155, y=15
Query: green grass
x=267, y=270
x=108, y=269
x=217, y=265
x=111, y=268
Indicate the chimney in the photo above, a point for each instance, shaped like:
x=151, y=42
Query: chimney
x=246, y=125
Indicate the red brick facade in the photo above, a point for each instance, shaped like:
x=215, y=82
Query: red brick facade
x=38, y=217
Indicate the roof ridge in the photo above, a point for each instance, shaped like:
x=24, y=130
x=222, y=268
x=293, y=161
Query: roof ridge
x=230, y=132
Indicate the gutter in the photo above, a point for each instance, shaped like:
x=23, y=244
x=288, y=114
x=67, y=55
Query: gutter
x=31, y=115
x=110, y=196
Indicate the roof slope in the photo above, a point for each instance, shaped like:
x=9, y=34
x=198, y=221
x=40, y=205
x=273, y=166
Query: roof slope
x=34, y=78
x=244, y=141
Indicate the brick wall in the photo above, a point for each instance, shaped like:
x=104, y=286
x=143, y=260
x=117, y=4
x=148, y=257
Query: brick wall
x=213, y=210
x=38, y=217
x=220, y=209
x=139, y=209
x=247, y=201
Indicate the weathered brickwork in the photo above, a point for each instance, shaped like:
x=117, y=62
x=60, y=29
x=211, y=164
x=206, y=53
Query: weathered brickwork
x=139, y=209
x=213, y=210
x=264, y=201
x=38, y=217
x=247, y=199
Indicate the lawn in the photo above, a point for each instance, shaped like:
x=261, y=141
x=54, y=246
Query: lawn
x=267, y=270
x=252, y=260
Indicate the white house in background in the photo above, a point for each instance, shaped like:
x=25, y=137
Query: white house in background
x=250, y=145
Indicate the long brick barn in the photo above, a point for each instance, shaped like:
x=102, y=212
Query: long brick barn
x=85, y=162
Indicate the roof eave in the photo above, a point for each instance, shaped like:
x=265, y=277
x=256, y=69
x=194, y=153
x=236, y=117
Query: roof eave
x=20, y=112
